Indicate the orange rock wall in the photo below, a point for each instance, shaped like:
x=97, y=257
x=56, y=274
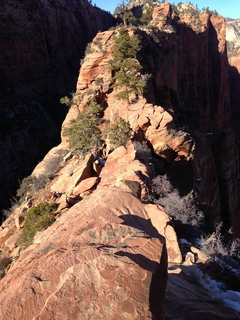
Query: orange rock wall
x=188, y=91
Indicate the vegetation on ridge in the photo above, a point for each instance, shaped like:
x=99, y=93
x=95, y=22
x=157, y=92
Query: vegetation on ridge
x=119, y=133
x=37, y=218
x=84, y=132
x=125, y=66
x=139, y=12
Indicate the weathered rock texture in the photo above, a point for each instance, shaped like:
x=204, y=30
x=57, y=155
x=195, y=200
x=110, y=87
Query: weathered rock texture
x=185, y=114
x=102, y=260
x=106, y=255
x=41, y=47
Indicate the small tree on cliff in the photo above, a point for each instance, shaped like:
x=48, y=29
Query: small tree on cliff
x=124, y=13
x=84, y=133
x=119, y=133
x=125, y=65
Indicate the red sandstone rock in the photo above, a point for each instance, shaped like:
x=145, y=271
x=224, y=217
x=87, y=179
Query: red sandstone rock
x=101, y=260
x=121, y=165
x=75, y=171
x=85, y=185
x=162, y=223
x=162, y=14
x=185, y=63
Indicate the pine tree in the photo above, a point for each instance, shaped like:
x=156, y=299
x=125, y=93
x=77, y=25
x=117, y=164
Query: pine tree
x=125, y=65
x=84, y=132
x=119, y=133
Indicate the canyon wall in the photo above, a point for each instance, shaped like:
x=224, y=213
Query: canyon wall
x=196, y=82
x=233, y=46
x=233, y=51
x=184, y=58
x=106, y=253
x=41, y=44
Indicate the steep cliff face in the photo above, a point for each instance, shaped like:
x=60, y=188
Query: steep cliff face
x=186, y=63
x=233, y=46
x=26, y=133
x=42, y=43
x=197, y=89
x=105, y=255
x=41, y=47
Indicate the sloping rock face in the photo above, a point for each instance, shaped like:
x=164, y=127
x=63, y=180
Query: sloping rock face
x=185, y=114
x=41, y=47
x=105, y=256
x=102, y=260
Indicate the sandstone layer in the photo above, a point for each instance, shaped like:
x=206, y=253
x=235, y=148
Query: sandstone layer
x=41, y=48
x=102, y=259
x=186, y=113
x=106, y=254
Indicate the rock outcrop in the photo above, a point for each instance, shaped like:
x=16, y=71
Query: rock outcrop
x=103, y=259
x=41, y=48
x=185, y=114
x=105, y=255
x=107, y=252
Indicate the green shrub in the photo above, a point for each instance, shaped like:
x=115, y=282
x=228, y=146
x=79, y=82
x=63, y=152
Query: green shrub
x=147, y=14
x=119, y=133
x=142, y=150
x=7, y=212
x=66, y=100
x=125, y=66
x=84, y=133
x=173, y=132
x=74, y=101
x=88, y=49
x=214, y=245
x=223, y=251
x=37, y=218
x=97, y=42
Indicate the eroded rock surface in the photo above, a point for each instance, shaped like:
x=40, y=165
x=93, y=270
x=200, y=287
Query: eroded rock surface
x=103, y=259
x=106, y=255
x=185, y=114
